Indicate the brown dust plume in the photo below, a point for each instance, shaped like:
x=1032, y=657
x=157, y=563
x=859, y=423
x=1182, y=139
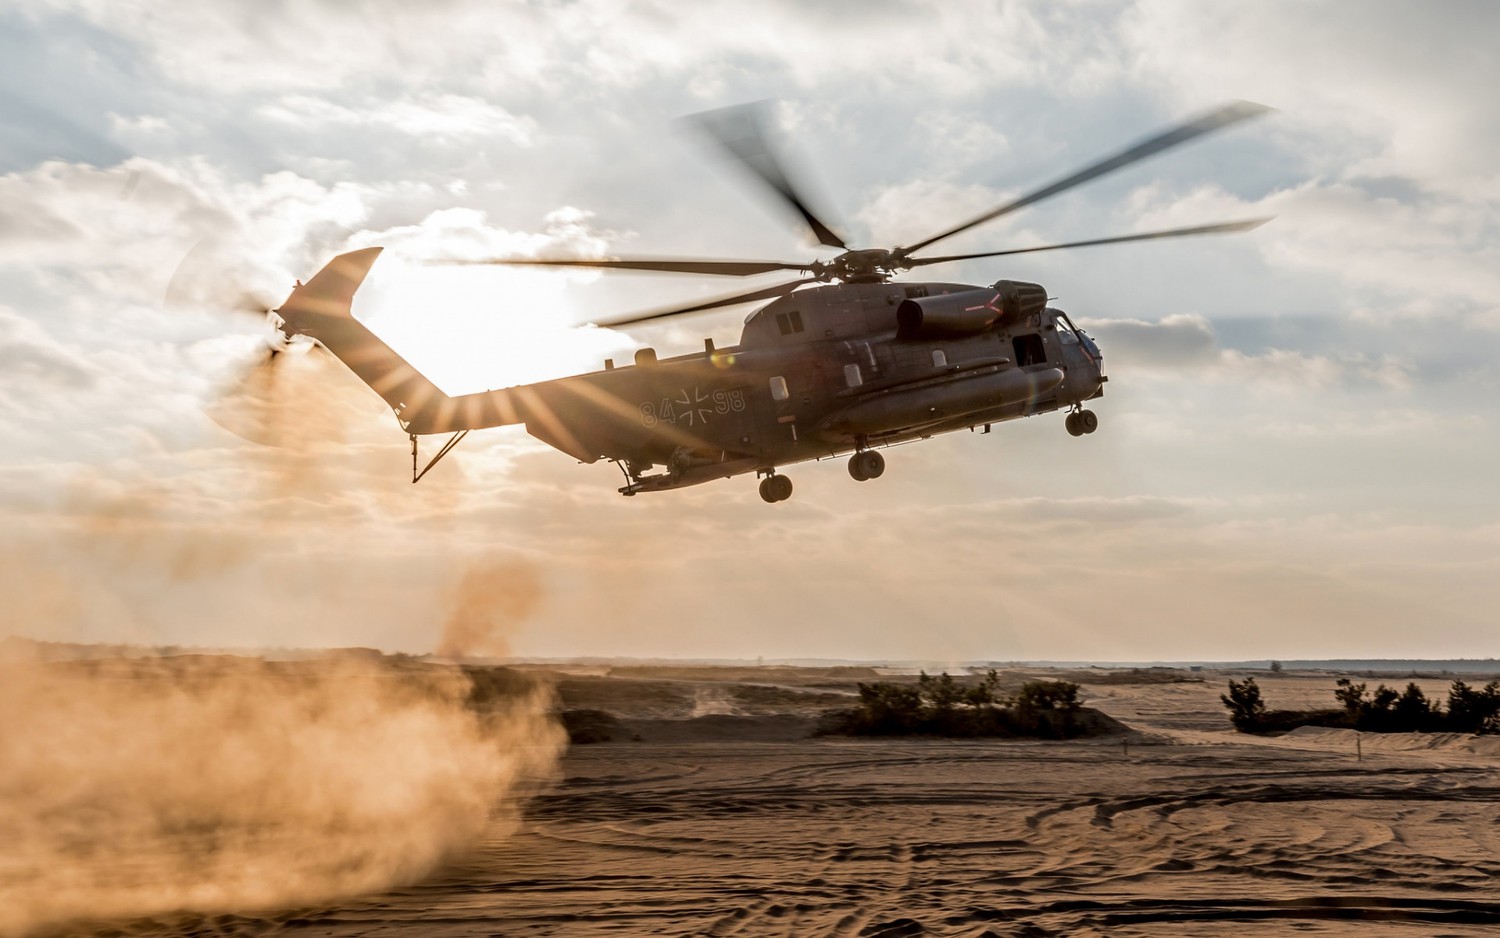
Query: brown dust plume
x=491, y=599
x=207, y=783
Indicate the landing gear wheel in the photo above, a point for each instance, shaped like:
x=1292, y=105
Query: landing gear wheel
x=1088, y=421
x=775, y=488
x=1072, y=424
x=866, y=465
x=857, y=468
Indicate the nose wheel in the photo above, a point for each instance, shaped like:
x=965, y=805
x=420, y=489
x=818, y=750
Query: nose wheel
x=775, y=488
x=866, y=465
x=1082, y=421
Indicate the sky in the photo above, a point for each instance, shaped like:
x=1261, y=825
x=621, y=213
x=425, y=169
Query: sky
x=1296, y=451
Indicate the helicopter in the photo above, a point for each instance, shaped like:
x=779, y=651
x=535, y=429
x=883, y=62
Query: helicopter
x=853, y=364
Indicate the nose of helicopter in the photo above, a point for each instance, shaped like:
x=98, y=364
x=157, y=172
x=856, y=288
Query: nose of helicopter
x=1093, y=350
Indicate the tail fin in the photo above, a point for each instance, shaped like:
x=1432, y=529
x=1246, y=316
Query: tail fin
x=320, y=308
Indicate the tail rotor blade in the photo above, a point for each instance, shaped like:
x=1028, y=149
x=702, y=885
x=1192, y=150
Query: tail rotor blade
x=211, y=279
x=249, y=405
x=253, y=301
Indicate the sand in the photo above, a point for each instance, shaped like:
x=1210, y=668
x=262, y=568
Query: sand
x=723, y=819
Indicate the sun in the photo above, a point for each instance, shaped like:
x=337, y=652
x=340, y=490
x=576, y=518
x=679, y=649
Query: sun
x=478, y=328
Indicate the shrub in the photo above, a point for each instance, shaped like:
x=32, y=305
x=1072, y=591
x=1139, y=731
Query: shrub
x=1048, y=695
x=1246, y=710
x=1474, y=711
x=941, y=694
x=1351, y=695
x=886, y=708
x=1470, y=710
x=1413, y=707
x=942, y=706
x=985, y=694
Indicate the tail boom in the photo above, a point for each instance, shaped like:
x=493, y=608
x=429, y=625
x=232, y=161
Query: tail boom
x=321, y=309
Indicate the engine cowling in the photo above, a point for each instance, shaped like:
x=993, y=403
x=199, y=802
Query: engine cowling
x=953, y=315
x=1020, y=300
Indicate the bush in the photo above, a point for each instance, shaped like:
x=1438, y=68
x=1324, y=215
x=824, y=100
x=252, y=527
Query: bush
x=943, y=706
x=1387, y=710
x=886, y=708
x=1474, y=711
x=1246, y=710
x=941, y=694
x=1035, y=696
x=1413, y=707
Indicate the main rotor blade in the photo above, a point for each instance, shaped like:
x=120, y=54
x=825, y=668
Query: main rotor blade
x=679, y=265
x=1220, y=228
x=766, y=294
x=740, y=130
x=1218, y=119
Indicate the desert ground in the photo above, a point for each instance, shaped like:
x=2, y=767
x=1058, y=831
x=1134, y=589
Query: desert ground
x=711, y=811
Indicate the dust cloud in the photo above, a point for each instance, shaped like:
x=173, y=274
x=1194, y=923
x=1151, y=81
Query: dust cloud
x=490, y=600
x=202, y=784
x=211, y=784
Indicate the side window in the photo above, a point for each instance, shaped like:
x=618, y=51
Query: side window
x=1029, y=349
x=939, y=358
x=789, y=322
x=852, y=377
x=778, y=389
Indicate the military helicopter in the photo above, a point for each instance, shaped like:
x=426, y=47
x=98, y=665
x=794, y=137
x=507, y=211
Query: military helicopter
x=851, y=365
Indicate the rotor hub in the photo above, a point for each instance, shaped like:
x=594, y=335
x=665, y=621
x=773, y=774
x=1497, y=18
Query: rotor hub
x=867, y=265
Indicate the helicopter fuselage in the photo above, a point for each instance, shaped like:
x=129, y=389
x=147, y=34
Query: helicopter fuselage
x=818, y=373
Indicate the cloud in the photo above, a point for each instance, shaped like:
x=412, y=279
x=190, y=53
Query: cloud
x=919, y=208
x=29, y=357
x=133, y=222
x=1378, y=80
x=1418, y=255
x=1179, y=339
x=465, y=234
x=1297, y=372
x=590, y=49
x=1187, y=343
x=443, y=118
